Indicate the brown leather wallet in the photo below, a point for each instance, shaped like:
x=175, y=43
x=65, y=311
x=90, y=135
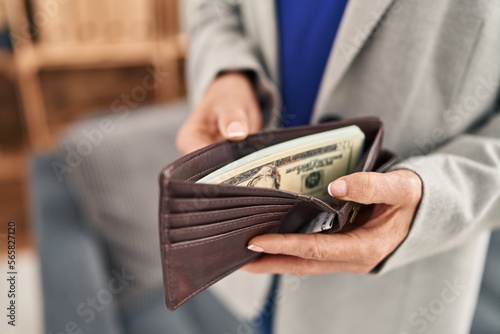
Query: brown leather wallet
x=205, y=228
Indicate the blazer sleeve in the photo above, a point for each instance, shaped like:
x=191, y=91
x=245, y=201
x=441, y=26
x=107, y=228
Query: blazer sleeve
x=461, y=194
x=218, y=43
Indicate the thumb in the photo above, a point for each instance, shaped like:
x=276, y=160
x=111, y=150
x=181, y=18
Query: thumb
x=233, y=124
x=368, y=188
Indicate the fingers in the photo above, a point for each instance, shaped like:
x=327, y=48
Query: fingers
x=283, y=264
x=228, y=110
x=194, y=135
x=299, y=254
x=324, y=247
x=194, y=143
x=233, y=124
x=205, y=128
x=375, y=188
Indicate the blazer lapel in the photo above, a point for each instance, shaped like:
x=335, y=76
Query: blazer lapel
x=266, y=20
x=360, y=19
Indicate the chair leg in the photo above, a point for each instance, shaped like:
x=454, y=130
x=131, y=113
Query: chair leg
x=34, y=111
x=168, y=65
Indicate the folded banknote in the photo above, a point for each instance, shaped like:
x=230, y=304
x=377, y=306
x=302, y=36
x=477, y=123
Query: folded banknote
x=304, y=165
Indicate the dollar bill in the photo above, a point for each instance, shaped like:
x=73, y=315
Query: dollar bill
x=304, y=165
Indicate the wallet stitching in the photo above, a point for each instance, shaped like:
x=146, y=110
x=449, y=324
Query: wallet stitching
x=246, y=189
x=205, y=171
x=221, y=275
x=169, y=276
x=244, y=220
x=246, y=229
x=224, y=212
x=231, y=201
x=201, y=155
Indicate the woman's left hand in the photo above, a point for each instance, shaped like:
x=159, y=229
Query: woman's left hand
x=395, y=195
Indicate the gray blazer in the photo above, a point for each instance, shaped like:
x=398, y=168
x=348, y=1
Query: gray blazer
x=430, y=70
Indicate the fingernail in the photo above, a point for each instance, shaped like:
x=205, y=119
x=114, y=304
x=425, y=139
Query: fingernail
x=254, y=248
x=235, y=130
x=337, y=188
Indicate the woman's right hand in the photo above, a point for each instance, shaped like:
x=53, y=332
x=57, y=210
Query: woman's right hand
x=228, y=110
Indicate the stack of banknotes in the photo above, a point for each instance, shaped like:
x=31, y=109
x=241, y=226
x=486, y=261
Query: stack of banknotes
x=304, y=165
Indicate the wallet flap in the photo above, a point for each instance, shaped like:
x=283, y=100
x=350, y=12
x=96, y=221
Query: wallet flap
x=198, y=164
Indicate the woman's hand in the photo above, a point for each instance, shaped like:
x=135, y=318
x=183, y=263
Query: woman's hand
x=395, y=195
x=228, y=110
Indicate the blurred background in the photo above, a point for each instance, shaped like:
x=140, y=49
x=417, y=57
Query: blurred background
x=61, y=61
x=65, y=61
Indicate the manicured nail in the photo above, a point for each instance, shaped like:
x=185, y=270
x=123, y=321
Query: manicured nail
x=337, y=188
x=236, y=130
x=254, y=248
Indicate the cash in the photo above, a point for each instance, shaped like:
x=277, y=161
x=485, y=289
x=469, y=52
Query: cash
x=304, y=165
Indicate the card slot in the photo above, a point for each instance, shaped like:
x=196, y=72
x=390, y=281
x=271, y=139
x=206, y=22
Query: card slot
x=183, y=205
x=198, y=232
x=175, y=220
x=182, y=189
x=189, y=268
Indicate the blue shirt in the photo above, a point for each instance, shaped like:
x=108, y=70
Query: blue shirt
x=307, y=30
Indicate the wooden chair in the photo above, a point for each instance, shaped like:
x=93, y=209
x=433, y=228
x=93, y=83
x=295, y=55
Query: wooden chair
x=89, y=34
